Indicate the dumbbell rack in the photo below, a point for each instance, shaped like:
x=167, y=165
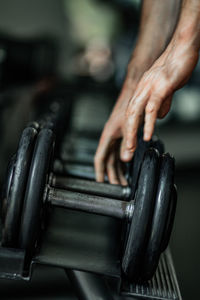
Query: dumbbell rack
x=163, y=285
x=55, y=251
x=68, y=231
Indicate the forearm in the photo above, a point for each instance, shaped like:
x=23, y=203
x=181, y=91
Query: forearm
x=153, y=95
x=187, y=33
x=158, y=22
x=182, y=53
x=157, y=25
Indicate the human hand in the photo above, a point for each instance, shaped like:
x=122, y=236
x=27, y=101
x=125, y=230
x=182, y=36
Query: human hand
x=141, y=102
x=107, y=158
x=153, y=95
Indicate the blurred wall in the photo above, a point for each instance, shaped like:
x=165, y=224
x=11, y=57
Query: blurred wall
x=27, y=18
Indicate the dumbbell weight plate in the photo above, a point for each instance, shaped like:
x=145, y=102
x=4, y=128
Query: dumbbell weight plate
x=30, y=221
x=170, y=219
x=6, y=187
x=34, y=125
x=135, y=166
x=142, y=215
x=17, y=188
x=161, y=210
x=157, y=144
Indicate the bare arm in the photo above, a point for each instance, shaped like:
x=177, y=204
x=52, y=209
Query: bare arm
x=171, y=71
x=157, y=25
x=158, y=21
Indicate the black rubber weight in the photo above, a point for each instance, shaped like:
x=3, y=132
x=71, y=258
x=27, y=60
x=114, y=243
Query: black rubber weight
x=157, y=144
x=33, y=200
x=17, y=188
x=161, y=211
x=170, y=219
x=142, y=215
x=136, y=165
x=138, y=159
x=6, y=187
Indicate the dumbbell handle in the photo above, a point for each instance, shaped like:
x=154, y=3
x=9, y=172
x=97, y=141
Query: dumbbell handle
x=74, y=169
x=89, y=203
x=91, y=187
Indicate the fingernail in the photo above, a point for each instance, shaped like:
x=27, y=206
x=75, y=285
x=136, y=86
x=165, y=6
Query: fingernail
x=126, y=154
x=146, y=137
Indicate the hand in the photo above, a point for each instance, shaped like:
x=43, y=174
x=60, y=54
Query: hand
x=153, y=95
x=149, y=99
x=107, y=158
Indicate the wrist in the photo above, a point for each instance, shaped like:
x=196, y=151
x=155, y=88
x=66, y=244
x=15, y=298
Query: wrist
x=188, y=40
x=137, y=65
x=182, y=46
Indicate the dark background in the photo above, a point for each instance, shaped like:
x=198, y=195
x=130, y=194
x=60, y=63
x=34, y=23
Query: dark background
x=93, y=39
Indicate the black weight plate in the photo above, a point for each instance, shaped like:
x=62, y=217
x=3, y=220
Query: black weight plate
x=6, y=187
x=157, y=144
x=30, y=221
x=35, y=125
x=161, y=209
x=142, y=215
x=135, y=166
x=17, y=188
x=170, y=220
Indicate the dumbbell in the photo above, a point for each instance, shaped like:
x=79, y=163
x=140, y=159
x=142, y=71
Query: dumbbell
x=120, y=192
x=79, y=149
x=14, y=188
x=91, y=187
x=82, y=173
x=56, y=117
x=37, y=193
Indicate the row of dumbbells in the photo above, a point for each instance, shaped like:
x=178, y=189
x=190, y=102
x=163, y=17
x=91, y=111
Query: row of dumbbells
x=147, y=205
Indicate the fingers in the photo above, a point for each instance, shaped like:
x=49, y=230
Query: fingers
x=99, y=171
x=165, y=107
x=132, y=125
x=101, y=155
x=152, y=99
x=104, y=160
x=115, y=169
x=156, y=107
x=120, y=172
x=135, y=115
x=99, y=165
x=107, y=161
x=151, y=112
x=112, y=170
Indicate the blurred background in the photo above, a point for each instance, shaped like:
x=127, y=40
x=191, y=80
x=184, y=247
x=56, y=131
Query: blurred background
x=82, y=48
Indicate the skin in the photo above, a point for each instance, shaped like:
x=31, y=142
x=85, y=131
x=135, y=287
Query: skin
x=154, y=36
x=153, y=95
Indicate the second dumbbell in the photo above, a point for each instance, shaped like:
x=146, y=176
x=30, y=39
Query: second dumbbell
x=114, y=191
